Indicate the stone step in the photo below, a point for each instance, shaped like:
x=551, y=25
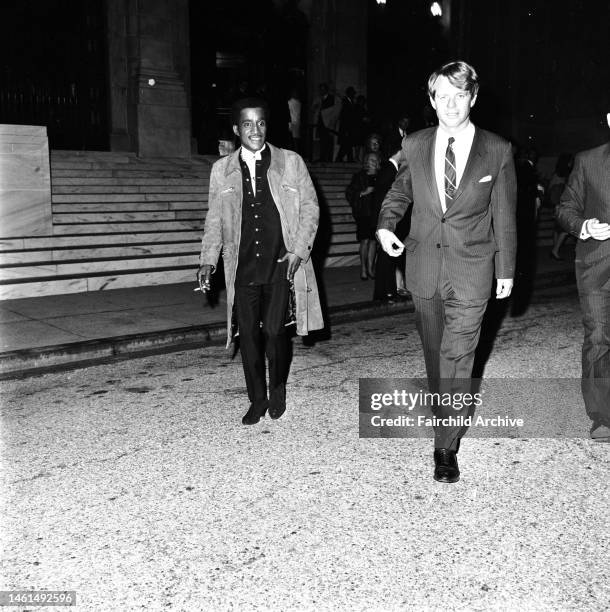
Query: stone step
x=101, y=239
x=56, y=286
x=62, y=181
x=342, y=260
x=120, y=217
x=132, y=164
x=148, y=226
x=84, y=174
x=115, y=207
x=17, y=274
x=130, y=197
x=201, y=187
x=100, y=252
x=128, y=206
x=115, y=156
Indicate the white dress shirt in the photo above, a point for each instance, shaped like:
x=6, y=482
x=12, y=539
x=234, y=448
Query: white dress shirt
x=250, y=158
x=461, y=148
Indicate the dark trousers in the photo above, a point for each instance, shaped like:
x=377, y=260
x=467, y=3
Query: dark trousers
x=385, y=275
x=596, y=355
x=346, y=149
x=266, y=304
x=449, y=329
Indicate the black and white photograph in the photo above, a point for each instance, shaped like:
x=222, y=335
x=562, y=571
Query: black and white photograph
x=305, y=305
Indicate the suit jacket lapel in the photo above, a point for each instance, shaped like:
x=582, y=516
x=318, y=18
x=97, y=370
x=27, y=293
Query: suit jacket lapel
x=477, y=153
x=427, y=155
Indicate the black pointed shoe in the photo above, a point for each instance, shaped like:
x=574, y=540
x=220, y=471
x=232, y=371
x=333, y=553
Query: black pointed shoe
x=255, y=412
x=445, y=465
x=277, y=401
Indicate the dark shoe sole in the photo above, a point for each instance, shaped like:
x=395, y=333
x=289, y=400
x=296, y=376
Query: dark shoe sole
x=446, y=479
x=249, y=419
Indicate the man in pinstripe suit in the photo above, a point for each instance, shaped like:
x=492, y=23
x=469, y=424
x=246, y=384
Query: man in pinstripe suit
x=584, y=211
x=461, y=182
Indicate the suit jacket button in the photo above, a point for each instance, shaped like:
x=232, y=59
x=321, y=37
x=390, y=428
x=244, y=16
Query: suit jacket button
x=438, y=246
x=443, y=220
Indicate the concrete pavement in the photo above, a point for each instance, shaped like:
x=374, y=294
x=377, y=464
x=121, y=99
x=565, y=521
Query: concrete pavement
x=136, y=485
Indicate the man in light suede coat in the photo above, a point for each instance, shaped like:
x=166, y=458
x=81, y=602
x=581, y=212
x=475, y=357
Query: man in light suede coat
x=263, y=215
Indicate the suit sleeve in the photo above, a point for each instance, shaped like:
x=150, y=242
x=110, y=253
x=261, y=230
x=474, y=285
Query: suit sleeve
x=399, y=197
x=309, y=213
x=570, y=212
x=211, y=243
x=504, y=216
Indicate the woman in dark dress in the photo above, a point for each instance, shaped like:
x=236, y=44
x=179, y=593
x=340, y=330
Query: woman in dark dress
x=359, y=194
x=389, y=274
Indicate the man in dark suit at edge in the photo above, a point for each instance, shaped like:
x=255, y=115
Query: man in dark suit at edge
x=461, y=182
x=584, y=211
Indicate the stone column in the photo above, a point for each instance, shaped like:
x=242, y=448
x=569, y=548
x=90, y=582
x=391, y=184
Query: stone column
x=150, y=104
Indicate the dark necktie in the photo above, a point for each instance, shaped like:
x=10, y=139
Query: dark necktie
x=450, y=174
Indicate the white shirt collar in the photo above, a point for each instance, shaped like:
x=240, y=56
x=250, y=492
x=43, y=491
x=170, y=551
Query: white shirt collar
x=248, y=155
x=466, y=134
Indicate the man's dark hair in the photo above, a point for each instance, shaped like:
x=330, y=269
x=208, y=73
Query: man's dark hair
x=239, y=106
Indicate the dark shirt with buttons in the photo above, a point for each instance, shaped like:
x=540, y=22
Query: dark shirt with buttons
x=261, y=243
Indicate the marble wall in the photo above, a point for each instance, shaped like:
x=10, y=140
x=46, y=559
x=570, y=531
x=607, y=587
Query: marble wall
x=25, y=181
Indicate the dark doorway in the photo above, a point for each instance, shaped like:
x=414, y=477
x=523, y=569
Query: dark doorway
x=238, y=49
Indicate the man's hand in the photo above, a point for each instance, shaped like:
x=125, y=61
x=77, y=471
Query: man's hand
x=294, y=261
x=597, y=230
x=504, y=287
x=366, y=191
x=389, y=243
x=204, y=277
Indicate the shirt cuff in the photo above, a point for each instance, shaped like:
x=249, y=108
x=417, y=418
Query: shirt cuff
x=584, y=234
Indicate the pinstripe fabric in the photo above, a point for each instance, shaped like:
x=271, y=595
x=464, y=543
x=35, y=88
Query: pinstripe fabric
x=451, y=255
x=587, y=196
x=476, y=236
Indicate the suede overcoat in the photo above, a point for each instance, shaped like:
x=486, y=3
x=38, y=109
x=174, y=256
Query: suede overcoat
x=296, y=201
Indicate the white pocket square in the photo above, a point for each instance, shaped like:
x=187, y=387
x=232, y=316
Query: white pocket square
x=485, y=179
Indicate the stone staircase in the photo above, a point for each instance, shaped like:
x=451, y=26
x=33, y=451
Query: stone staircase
x=119, y=221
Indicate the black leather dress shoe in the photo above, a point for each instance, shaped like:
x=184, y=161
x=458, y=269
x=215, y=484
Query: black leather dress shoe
x=255, y=412
x=277, y=401
x=445, y=465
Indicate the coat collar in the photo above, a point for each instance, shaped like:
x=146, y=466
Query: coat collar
x=276, y=165
x=428, y=160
